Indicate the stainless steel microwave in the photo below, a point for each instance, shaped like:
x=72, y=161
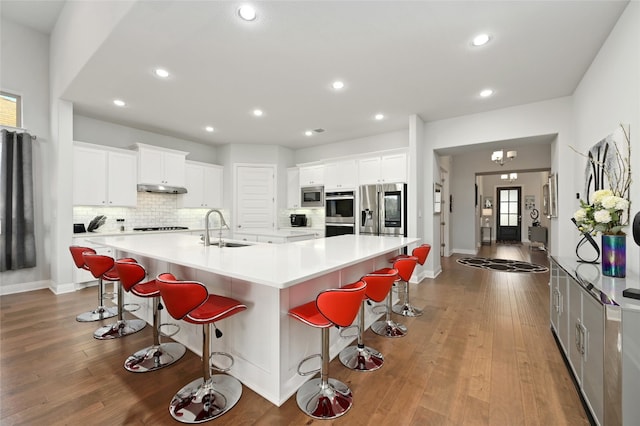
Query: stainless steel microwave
x=312, y=196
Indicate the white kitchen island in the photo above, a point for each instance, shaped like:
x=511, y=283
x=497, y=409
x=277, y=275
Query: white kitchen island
x=270, y=279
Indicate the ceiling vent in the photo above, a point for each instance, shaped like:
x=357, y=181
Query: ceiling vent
x=318, y=130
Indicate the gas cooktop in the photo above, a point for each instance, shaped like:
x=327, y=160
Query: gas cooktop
x=160, y=228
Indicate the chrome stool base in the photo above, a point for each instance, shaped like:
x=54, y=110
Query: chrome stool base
x=361, y=358
x=154, y=357
x=324, y=402
x=119, y=329
x=389, y=329
x=199, y=402
x=97, y=314
x=407, y=310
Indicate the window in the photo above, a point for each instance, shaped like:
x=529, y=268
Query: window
x=10, y=108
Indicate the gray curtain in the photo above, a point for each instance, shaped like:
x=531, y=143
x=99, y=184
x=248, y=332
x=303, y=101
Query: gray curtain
x=17, y=239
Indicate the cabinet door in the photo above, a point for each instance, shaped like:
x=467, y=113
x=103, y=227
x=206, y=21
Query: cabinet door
x=393, y=168
x=89, y=177
x=194, y=180
x=593, y=357
x=271, y=240
x=575, y=326
x=340, y=175
x=121, y=178
x=150, y=166
x=563, y=315
x=174, y=169
x=212, y=187
x=311, y=175
x=293, y=188
x=369, y=170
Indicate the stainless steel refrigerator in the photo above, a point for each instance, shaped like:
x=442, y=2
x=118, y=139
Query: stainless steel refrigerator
x=383, y=209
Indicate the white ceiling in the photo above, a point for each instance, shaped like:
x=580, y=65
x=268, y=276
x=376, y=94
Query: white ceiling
x=395, y=57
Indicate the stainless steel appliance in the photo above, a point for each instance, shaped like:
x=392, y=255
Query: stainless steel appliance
x=339, y=213
x=160, y=228
x=298, y=220
x=383, y=209
x=312, y=196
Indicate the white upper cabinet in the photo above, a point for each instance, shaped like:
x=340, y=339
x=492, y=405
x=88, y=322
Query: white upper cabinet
x=383, y=169
x=293, y=188
x=103, y=176
x=311, y=175
x=340, y=175
x=204, y=186
x=160, y=166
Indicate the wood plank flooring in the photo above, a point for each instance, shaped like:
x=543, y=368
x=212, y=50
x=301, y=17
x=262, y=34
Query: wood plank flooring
x=482, y=354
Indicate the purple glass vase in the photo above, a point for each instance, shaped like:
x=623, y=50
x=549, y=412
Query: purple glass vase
x=614, y=255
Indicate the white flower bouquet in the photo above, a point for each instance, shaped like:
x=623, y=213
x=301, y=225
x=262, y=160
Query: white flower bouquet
x=604, y=215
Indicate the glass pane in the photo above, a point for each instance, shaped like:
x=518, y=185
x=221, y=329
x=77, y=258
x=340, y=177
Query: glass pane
x=513, y=220
x=513, y=195
x=504, y=220
x=10, y=110
x=504, y=207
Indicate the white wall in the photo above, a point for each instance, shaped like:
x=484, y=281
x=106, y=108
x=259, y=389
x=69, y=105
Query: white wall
x=609, y=94
x=91, y=130
x=380, y=142
x=24, y=70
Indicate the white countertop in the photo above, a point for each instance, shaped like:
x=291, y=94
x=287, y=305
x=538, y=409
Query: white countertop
x=275, y=265
x=282, y=232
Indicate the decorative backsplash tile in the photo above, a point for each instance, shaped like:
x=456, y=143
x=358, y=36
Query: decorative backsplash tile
x=152, y=210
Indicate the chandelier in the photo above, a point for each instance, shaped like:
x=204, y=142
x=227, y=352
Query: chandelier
x=511, y=177
x=499, y=158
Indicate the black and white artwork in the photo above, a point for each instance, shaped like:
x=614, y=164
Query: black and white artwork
x=606, y=166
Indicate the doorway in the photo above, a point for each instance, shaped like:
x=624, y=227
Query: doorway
x=509, y=214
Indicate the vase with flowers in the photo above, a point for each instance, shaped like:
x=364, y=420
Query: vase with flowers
x=607, y=211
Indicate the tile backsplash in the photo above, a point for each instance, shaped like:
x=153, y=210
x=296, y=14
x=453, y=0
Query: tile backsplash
x=162, y=210
x=152, y=210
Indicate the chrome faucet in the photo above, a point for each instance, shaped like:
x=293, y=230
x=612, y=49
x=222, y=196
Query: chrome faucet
x=223, y=223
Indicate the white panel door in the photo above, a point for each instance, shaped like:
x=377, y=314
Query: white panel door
x=255, y=197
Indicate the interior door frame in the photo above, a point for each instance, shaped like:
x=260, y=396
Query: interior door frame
x=498, y=204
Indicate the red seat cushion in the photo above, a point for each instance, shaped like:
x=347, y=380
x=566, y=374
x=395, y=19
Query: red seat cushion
x=76, y=254
x=379, y=283
x=214, y=309
x=337, y=306
x=405, y=267
x=310, y=315
x=146, y=289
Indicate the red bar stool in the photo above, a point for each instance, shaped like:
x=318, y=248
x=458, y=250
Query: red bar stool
x=325, y=398
x=101, y=312
x=406, y=309
x=388, y=327
x=158, y=355
x=102, y=267
x=207, y=397
x=361, y=357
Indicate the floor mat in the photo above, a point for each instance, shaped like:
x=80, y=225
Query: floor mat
x=503, y=265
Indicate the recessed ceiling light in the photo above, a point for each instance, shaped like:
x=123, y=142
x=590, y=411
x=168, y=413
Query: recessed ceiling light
x=246, y=12
x=162, y=73
x=481, y=39
x=486, y=93
x=308, y=133
x=379, y=116
x=337, y=85
x=257, y=112
x=119, y=102
x=209, y=129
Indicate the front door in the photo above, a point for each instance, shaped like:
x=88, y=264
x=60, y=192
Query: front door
x=509, y=218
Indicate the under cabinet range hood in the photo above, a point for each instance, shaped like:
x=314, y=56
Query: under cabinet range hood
x=161, y=189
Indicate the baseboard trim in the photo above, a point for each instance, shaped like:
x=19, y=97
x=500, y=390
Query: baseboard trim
x=465, y=251
x=24, y=287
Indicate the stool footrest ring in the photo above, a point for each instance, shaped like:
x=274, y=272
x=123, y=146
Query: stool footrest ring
x=379, y=309
x=127, y=308
x=168, y=324
x=349, y=336
x=216, y=368
x=310, y=372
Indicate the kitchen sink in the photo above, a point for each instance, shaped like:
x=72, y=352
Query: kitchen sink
x=230, y=245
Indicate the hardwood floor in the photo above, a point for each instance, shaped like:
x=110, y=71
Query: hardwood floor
x=482, y=354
